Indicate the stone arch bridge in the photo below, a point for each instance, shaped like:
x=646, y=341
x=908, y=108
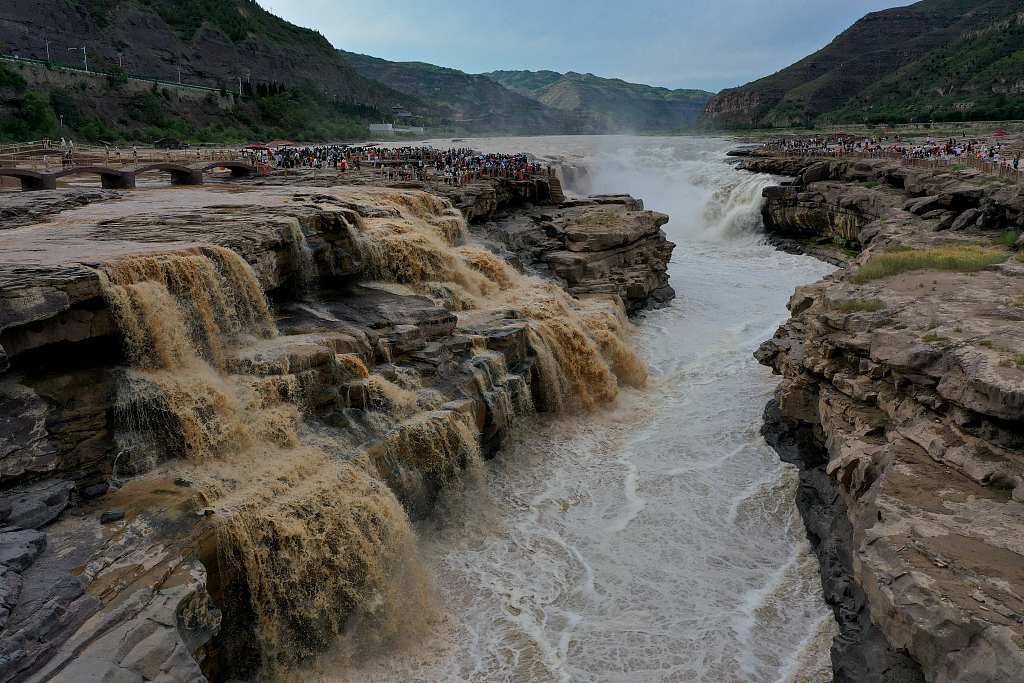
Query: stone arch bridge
x=124, y=178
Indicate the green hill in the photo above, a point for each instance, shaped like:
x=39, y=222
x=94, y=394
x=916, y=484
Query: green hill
x=610, y=104
x=292, y=81
x=935, y=58
x=466, y=103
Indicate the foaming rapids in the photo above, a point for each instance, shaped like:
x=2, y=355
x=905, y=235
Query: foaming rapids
x=656, y=540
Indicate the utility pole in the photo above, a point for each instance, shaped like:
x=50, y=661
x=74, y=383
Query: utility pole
x=179, y=74
x=47, y=49
x=239, y=86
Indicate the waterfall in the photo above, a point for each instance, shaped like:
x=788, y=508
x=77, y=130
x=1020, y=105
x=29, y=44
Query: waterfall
x=310, y=521
x=307, y=540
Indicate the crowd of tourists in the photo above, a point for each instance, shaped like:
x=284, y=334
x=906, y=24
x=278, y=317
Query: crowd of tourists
x=456, y=166
x=997, y=154
x=341, y=157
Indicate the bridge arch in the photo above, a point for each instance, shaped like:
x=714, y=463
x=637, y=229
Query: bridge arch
x=180, y=175
x=239, y=169
x=110, y=178
x=31, y=180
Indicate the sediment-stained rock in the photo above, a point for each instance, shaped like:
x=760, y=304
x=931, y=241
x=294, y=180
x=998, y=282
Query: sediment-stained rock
x=115, y=498
x=902, y=401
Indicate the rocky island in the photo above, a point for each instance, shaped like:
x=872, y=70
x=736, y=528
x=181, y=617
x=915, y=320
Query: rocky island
x=902, y=403
x=220, y=407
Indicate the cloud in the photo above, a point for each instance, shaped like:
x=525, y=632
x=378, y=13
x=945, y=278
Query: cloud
x=680, y=43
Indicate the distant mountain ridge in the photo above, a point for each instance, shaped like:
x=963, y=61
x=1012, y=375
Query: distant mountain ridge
x=933, y=60
x=465, y=102
x=611, y=104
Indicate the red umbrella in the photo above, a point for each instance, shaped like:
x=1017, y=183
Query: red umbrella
x=1000, y=133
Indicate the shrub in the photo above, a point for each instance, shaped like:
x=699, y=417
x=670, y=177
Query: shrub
x=966, y=258
x=33, y=119
x=1009, y=237
x=11, y=79
x=117, y=75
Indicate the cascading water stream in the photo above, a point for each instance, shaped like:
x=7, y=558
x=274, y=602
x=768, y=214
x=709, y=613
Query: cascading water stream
x=310, y=522
x=656, y=539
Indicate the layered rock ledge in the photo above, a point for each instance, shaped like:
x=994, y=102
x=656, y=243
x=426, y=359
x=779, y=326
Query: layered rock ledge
x=902, y=403
x=108, y=556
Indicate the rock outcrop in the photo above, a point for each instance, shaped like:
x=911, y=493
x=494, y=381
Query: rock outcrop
x=902, y=403
x=189, y=481
x=601, y=245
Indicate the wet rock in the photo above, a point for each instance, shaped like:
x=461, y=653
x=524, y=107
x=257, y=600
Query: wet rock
x=96, y=490
x=25, y=444
x=36, y=505
x=111, y=516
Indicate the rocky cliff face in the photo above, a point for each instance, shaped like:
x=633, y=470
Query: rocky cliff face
x=219, y=409
x=902, y=402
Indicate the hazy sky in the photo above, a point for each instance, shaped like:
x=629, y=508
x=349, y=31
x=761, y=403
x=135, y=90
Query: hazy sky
x=709, y=44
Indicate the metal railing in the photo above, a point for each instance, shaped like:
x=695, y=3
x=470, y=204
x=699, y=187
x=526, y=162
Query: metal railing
x=50, y=154
x=1002, y=168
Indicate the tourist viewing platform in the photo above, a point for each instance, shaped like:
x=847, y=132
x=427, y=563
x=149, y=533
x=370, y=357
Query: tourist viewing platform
x=997, y=154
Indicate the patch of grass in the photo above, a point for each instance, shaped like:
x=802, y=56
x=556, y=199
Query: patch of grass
x=1009, y=238
x=931, y=338
x=965, y=258
x=1018, y=360
x=987, y=343
x=859, y=306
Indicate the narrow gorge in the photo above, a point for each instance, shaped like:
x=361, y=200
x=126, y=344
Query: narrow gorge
x=222, y=409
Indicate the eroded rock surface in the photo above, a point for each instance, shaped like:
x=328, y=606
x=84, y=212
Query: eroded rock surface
x=902, y=402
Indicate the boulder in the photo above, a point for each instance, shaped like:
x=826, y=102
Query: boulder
x=36, y=505
x=816, y=173
x=966, y=220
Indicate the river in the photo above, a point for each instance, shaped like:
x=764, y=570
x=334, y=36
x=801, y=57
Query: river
x=656, y=540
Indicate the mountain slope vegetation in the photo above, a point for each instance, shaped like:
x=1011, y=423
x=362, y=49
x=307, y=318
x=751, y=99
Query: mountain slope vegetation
x=267, y=77
x=928, y=59
x=610, y=104
x=466, y=103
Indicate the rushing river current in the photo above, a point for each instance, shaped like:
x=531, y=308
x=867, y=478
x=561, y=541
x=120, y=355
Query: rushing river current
x=656, y=540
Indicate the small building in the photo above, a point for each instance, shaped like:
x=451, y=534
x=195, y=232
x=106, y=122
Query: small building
x=391, y=129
